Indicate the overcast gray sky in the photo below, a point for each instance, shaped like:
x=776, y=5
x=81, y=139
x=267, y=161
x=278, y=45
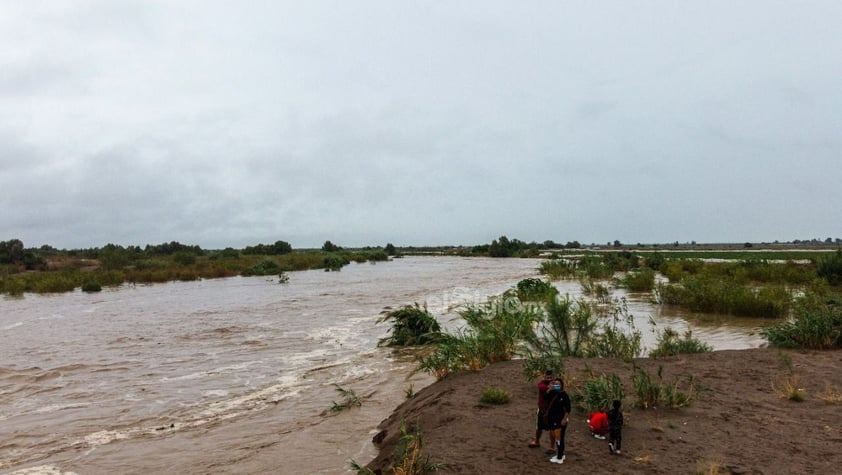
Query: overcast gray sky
x=225, y=123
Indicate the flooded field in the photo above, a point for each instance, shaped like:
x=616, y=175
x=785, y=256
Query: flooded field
x=237, y=375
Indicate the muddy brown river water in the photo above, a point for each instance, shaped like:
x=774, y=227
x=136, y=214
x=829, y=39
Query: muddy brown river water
x=237, y=375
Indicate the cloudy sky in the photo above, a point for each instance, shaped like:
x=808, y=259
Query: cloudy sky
x=225, y=123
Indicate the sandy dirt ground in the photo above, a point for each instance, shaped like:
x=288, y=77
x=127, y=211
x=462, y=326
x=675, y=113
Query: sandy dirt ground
x=741, y=421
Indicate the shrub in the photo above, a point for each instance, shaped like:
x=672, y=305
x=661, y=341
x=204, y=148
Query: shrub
x=495, y=332
x=184, y=258
x=558, y=269
x=335, y=262
x=91, y=286
x=535, y=290
x=671, y=344
x=413, y=325
x=640, y=281
x=814, y=325
x=265, y=267
x=651, y=394
x=598, y=392
x=495, y=396
x=830, y=268
x=727, y=296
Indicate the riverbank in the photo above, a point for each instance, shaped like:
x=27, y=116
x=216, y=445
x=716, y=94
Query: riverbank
x=740, y=421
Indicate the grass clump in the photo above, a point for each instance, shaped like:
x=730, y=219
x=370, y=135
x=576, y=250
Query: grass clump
x=726, y=296
x=409, y=456
x=413, y=325
x=598, y=392
x=557, y=269
x=789, y=387
x=652, y=393
x=670, y=343
x=495, y=396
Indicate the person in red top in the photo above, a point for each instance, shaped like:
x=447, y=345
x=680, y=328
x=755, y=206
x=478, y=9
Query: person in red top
x=543, y=406
x=598, y=423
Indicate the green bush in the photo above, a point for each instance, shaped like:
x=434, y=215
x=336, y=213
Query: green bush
x=91, y=286
x=265, y=267
x=830, y=268
x=814, y=324
x=727, y=296
x=495, y=396
x=413, y=325
x=671, y=344
x=558, y=269
x=598, y=392
x=495, y=332
x=651, y=393
x=642, y=280
x=535, y=290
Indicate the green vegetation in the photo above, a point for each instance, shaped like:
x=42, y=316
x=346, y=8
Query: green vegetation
x=495, y=396
x=704, y=293
x=535, y=290
x=815, y=324
x=569, y=328
x=112, y=265
x=598, y=392
x=830, y=268
x=670, y=343
x=91, y=286
x=494, y=332
x=409, y=456
x=413, y=325
x=651, y=393
x=349, y=399
x=642, y=280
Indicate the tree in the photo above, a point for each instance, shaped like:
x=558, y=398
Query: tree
x=11, y=251
x=330, y=247
x=390, y=249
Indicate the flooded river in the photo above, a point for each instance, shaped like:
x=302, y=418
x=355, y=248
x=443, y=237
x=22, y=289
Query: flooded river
x=237, y=375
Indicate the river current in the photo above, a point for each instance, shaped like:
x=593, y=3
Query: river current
x=238, y=375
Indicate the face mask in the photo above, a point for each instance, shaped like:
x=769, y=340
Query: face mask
x=556, y=387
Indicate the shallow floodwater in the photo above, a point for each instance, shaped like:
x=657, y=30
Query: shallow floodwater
x=237, y=375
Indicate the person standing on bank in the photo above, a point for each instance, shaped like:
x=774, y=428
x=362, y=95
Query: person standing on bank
x=615, y=428
x=559, y=411
x=544, y=387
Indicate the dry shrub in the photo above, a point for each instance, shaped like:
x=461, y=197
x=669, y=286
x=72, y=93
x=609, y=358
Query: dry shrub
x=789, y=387
x=831, y=395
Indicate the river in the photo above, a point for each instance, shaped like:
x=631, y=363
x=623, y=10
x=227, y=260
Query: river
x=237, y=375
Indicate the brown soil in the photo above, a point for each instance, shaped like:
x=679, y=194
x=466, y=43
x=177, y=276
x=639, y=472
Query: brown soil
x=740, y=421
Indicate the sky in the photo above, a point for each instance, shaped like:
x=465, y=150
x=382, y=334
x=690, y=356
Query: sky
x=227, y=124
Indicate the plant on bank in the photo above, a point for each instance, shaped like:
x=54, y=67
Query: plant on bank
x=495, y=396
x=493, y=332
x=412, y=325
x=571, y=328
x=815, y=324
x=670, y=343
x=598, y=392
x=409, y=458
x=650, y=393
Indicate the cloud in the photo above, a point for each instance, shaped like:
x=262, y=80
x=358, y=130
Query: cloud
x=145, y=122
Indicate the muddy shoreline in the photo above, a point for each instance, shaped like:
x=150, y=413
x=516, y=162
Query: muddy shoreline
x=740, y=421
